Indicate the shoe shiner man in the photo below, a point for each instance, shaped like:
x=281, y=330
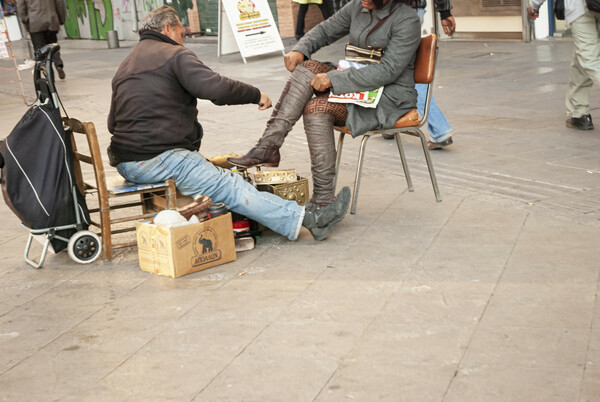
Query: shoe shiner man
x=155, y=132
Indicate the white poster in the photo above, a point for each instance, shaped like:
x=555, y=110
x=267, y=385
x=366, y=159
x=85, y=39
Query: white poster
x=253, y=27
x=3, y=51
x=3, y=37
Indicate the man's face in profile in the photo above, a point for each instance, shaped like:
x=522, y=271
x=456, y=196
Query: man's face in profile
x=176, y=33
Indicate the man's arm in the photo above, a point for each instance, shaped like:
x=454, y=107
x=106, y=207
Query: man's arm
x=203, y=83
x=534, y=9
x=110, y=121
x=447, y=20
x=22, y=11
x=61, y=10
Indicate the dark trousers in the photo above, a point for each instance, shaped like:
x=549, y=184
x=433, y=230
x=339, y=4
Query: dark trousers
x=41, y=39
x=302, y=10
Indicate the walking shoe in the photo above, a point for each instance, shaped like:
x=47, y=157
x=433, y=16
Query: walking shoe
x=258, y=156
x=581, y=123
x=320, y=219
x=439, y=145
x=61, y=73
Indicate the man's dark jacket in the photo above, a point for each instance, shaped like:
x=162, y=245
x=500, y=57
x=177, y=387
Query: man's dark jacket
x=155, y=91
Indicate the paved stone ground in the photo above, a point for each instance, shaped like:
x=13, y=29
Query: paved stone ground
x=490, y=295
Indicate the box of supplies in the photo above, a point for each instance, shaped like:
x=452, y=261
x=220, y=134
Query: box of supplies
x=294, y=191
x=181, y=250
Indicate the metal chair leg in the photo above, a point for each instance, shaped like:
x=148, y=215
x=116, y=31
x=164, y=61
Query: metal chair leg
x=404, y=163
x=361, y=157
x=338, y=159
x=429, y=165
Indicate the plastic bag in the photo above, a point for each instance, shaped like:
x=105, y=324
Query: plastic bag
x=169, y=219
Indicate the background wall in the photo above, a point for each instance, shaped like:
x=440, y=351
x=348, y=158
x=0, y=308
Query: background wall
x=91, y=19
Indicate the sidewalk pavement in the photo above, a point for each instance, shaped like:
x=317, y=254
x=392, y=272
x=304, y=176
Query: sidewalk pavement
x=490, y=295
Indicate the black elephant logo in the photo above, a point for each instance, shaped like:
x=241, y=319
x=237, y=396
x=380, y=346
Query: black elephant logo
x=206, y=247
x=207, y=244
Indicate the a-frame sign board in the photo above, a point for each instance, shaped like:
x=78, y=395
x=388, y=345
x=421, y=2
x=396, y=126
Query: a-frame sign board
x=6, y=52
x=247, y=27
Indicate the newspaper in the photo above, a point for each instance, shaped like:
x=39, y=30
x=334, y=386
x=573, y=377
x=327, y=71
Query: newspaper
x=368, y=99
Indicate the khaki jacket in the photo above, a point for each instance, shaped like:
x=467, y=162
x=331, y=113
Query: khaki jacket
x=41, y=15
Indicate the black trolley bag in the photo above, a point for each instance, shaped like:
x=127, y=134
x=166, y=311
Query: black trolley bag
x=38, y=180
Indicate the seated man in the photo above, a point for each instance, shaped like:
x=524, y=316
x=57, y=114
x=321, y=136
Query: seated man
x=389, y=24
x=153, y=120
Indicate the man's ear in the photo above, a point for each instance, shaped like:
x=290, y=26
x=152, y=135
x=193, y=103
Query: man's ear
x=166, y=29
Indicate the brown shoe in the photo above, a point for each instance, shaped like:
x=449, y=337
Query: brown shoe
x=439, y=145
x=258, y=156
x=61, y=73
x=198, y=207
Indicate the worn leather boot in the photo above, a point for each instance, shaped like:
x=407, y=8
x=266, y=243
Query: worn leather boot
x=259, y=155
x=289, y=108
x=320, y=219
x=321, y=145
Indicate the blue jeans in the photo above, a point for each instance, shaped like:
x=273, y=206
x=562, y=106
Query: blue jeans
x=194, y=176
x=436, y=121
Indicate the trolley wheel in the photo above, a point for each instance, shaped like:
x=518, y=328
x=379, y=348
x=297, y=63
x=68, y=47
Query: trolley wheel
x=84, y=247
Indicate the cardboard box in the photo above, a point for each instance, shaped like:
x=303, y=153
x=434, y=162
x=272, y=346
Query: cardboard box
x=159, y=203
x=182, y=250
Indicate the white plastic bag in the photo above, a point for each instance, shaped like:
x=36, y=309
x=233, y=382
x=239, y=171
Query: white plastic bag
x=169, y=219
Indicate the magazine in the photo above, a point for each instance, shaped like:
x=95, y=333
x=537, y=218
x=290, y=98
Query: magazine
x=368, y=99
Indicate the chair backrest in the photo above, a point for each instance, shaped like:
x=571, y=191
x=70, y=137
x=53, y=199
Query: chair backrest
x=425, y=60
x=94, y=158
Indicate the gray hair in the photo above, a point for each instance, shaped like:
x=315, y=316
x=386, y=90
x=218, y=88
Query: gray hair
x=158, y=18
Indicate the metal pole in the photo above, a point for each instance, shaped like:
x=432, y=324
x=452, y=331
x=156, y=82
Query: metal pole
x=435, y=20
x=135, y=16
x=551, y=22
x=525, y=19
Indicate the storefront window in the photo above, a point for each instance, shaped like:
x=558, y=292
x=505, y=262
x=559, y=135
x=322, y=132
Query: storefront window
x=181, y=7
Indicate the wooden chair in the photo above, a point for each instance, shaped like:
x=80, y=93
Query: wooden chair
x=147, y=193
x=408, y=124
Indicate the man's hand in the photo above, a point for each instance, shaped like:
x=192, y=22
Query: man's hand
x=265, y=102
x=292, y=59
x=321, y=82
x=449, y=25
x=532, y=14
